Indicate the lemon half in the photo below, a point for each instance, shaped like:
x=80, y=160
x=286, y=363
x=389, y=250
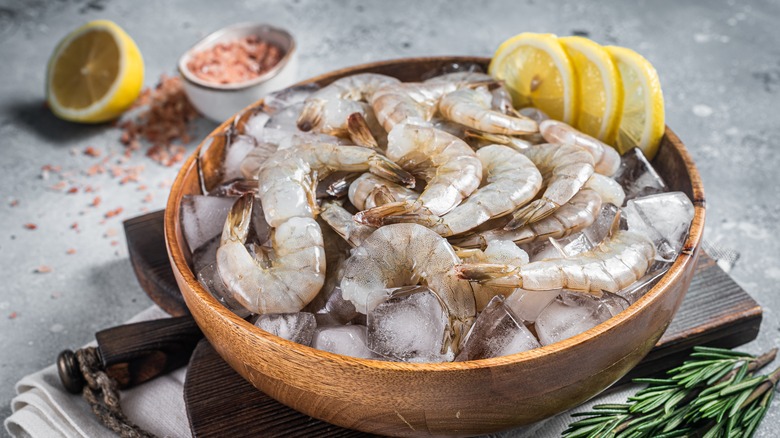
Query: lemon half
x=600, y=91
x=95, y=73
x=642, y=119
x=537, y=73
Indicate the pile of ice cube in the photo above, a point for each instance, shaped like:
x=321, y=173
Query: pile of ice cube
x=410, y=323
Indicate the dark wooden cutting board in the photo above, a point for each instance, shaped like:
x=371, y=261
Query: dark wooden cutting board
x=716, y=312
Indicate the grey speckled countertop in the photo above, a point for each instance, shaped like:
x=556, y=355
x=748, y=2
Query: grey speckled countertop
x=719, y=64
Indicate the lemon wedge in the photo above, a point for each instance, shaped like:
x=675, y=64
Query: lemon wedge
x=537, y=73
x=642, y=118
x=95, y=73
x=600, y=91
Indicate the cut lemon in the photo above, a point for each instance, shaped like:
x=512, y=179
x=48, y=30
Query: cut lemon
x=642, y=118
x=598, y=81
x=94, y=74
x=537, y=73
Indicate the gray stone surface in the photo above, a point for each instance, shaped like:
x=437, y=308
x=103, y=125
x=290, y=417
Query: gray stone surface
x=719, y=64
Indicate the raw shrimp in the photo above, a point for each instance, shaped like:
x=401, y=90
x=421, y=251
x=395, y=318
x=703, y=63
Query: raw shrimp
x=407, y=254
x=288, y=179
x=512, y=180
x=472, y=108
x=578, y=213
x=340, y=220
x=369, y=191
x=293, y=277
x=327, y=110
x=446, y=162
x=565, y=168
x=609, y=189
x=606, y=160
x=621, y=259
x=415, y=102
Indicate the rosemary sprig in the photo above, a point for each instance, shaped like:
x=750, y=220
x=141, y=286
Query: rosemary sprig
x=713, y=394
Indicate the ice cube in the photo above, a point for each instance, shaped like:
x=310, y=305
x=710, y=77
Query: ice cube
x=238, y=149
x=664, y=218
x=330, y=308
x=496, y=332
x=348, y=340
x=278, y=100
x=286, y=118
x=256, y=123
x=640, y=287
x=210, y=279
x=528, y=304
x=202, y=217
x=206, y=254
x=637, y=176
x=600, y=228
x=410, y=326
x=296, y=327
x=570, y=315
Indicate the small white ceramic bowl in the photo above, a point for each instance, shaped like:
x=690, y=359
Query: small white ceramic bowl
x=220, y=101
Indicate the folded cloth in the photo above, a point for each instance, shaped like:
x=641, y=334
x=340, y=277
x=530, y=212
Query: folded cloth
x=42, y=407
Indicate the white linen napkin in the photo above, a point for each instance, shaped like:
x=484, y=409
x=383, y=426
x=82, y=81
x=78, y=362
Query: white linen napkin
x=42, y=407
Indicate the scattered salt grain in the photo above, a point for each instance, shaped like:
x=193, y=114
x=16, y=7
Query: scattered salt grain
x=43, y=269
x=31, y=226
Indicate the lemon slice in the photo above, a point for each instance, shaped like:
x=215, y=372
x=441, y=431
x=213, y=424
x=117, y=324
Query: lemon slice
x=642, y=118
x=94, y=74
x=537, y=73
x=600, y=92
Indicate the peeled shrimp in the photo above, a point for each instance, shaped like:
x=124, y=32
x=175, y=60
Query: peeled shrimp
x=407, y=254
x=415, y=102
x=615, y=263
x=327, y=110
x=565, y=168
x=450, y=166
x=606, y=159
x=472, y=108
x=288, y=178
x=297, y=267
x=369, y=191
x=340, y=220
x=578, y=213
x=512, y=180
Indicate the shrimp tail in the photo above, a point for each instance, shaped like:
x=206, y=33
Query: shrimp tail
x=384, y=168
x=378, y=216
x=238, y=220
x=515, y=143
x=533, y=212
x=310, y=116
x=615, y=225
x=475, y=240
x=483, y=272
x=359, y=131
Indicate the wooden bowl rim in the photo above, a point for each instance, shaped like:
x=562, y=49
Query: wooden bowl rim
x=674, y=274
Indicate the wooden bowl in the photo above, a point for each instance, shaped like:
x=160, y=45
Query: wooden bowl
x=461, y=398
